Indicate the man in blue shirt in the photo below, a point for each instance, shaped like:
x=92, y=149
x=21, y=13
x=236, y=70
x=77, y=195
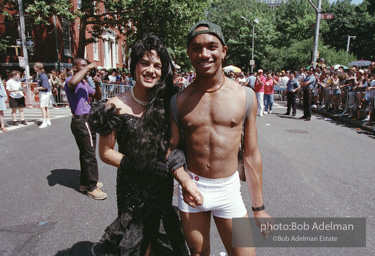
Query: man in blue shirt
x=307, y=85
x=291, y=89
x=250, y=81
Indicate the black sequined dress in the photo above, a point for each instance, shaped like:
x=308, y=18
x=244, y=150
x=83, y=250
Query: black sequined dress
x=146, y=215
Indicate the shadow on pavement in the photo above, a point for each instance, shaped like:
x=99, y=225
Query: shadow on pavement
x=287, y=117
x=82, y=248
x=22, y=239
x=65, y=177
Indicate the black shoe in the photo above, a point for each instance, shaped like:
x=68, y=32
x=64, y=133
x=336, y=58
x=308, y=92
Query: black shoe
x=286, y=114
x=23, y=122
x=15, y=123
x=307, y=118
x=294, y=114
x=302, y=117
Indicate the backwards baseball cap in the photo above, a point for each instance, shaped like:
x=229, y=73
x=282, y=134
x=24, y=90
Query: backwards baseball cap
x=212, y=29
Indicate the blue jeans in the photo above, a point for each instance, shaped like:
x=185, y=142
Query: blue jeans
x=268, y=101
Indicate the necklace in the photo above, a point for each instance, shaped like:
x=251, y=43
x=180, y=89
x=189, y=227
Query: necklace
x=214, y=90
x=143, y=103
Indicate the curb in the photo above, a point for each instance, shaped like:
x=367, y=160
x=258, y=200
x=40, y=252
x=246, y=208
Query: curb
x=355, y=123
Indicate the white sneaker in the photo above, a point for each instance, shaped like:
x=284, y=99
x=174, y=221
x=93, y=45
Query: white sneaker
x=265, y=112
x=43, y=125
x=260, y=114
x=270, y=112
x=49, y=122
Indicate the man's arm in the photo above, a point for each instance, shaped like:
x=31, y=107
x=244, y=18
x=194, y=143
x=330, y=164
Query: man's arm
x=190, y=192
x=252, y=158
x=78, y=77
x=253, y=168
x=98, y=89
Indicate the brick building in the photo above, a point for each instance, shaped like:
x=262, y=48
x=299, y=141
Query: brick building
x=56, y=45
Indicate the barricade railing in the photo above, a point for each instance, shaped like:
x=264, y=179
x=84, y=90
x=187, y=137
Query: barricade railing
x=58, y=95
x=280, y=92
x=349, y=102
x=112, y=90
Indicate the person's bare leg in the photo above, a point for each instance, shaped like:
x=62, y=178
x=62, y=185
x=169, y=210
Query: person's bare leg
x=14, y=111
x=2, y=121
x=149, y=251
x=20, y=110
x=44, y=113
x=196, y=227
x=224, y=226
x=47, y=112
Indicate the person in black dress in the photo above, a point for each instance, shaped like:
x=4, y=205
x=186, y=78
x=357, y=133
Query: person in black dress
x=138, y=119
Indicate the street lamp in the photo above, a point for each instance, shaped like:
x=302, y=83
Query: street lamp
x=347, y=47
x=256, y=21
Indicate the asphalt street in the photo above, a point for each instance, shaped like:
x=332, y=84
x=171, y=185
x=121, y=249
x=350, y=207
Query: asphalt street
x=320, y=168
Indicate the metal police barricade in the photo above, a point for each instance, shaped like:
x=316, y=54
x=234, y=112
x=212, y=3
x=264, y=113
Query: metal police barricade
x=111, y=90
x=279, y=92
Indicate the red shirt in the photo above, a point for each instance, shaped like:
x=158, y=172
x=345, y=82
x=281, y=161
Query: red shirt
x=268, y=87
x=258, y=86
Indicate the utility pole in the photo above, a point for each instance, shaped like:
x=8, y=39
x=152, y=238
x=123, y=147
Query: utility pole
x=252, y=62
x=347, y=47
x=23, y=37
x=318, y=11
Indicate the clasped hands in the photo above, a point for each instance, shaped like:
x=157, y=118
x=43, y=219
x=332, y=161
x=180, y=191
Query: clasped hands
x=175, y=160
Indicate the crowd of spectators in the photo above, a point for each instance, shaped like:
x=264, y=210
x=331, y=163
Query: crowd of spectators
x=342, y=91
x=339, y=90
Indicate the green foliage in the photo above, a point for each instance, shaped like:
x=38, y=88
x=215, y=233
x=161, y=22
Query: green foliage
x=238, y=32
x=4, y=44
x=298, y=54
x=354, y=21
x=170, y=19
x=283, y=37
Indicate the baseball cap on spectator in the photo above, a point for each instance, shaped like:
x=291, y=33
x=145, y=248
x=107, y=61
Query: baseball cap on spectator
x=260, y=70
x=361, y=71
x=212, y=29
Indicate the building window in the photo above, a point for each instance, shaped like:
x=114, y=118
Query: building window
x=85, y=55
x=123, y=54
x=95, y=51
x=67, y=38
x=116, y=52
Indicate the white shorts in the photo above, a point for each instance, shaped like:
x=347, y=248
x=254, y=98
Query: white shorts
x=44, y=99
x=220, y=196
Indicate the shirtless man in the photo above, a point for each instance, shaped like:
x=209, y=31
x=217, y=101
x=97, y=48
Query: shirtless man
x=211, y=114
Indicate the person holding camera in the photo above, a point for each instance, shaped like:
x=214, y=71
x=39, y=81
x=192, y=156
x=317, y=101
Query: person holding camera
x=78, y=93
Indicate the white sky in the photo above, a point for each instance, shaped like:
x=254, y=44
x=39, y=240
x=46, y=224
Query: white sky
x=353, y=1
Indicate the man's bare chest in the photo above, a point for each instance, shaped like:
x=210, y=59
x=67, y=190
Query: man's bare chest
x=212, y=112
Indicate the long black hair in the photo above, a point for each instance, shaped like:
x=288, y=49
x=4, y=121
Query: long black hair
x=153, y=130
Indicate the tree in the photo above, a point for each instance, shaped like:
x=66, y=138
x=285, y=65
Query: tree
x=352, y=20
x=238, y=32
x=298, y=54
x=170, y=19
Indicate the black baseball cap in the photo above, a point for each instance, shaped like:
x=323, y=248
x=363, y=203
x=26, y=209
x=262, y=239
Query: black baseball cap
x=212, y=29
